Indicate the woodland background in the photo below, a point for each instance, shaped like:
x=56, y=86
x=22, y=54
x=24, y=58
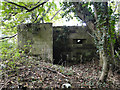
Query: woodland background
x=20, y=70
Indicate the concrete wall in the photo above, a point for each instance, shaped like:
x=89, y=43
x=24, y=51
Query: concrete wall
x=57, y=44
x=72, y=43
x=39, y=36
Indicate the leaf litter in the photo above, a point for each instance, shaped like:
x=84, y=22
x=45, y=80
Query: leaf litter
x=33, y=73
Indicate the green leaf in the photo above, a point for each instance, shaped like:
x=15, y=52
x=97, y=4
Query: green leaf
x=83, y=5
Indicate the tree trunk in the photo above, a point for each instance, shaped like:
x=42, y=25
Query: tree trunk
x=105, y=67
x=101, y=59
x=104, y=60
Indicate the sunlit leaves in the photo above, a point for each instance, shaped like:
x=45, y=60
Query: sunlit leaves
x=13, y=15
x=41, y=11
x=83, y=8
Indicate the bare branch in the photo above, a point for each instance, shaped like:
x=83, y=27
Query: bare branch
x=17, y=5
x=95, y=12
x=90, y=34
x=24, y=3
x=44, y=14
x=15, y=13
x=115, y=9
x=38, y=2
x=33, y=16
x=48, y=10
x=56, y=13
x=36, y=18
x=8, y=37
x=4, y=84
x=28, y=10
x=117, y=54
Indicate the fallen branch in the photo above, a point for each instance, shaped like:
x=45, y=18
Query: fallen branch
x=54, y=71
x=4, y=84
x=9, y=81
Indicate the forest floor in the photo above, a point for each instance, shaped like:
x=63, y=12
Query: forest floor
x=32, y=73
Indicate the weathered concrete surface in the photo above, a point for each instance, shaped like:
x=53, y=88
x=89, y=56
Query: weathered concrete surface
x=56, y=44
x=72, y=43
x=39, y=36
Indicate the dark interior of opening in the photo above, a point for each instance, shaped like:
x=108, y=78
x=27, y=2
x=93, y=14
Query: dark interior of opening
x=79, y=41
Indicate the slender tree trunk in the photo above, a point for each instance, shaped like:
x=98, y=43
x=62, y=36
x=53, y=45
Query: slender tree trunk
x=105, y=59
x=105, y=67
x=101, y=59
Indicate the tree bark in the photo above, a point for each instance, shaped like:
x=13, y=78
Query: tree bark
x=105, y=66
x=104, y=59
x=101, y=59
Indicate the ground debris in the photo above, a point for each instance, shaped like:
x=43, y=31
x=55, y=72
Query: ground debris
x=41, y=74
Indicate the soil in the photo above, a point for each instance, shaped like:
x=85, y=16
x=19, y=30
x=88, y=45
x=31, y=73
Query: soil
x=34, y=73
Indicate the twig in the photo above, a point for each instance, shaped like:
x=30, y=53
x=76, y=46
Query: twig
x=36, y=18
x=62, y=75
x=38, y=2
x=24, y=3
x=47, y=10
x=15, y=13
x=7, y=82
x=56, y=13
x=32, y=16
x=115, y=9
x=117, y=54
x=90, y=34
x=44, y=15
x=4, y=84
